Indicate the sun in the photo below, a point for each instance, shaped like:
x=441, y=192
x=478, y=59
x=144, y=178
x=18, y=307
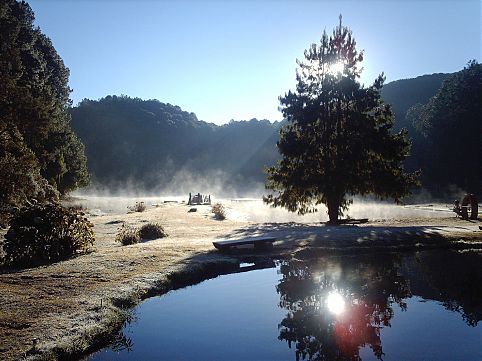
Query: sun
x=336, y=68
x=335, y=303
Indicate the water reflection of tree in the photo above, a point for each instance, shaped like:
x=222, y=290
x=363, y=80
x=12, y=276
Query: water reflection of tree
x=455, y=280
x=121, y=342
x=370, y=285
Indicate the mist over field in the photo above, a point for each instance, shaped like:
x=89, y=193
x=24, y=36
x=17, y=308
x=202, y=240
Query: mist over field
x=244, y=205
x=243, y=201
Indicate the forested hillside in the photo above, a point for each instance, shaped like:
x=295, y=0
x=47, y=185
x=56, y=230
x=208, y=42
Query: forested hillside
x=447, y=143
x=147, y=142
x=404, y=93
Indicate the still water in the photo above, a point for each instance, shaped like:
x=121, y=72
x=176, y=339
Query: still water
x=422, y=306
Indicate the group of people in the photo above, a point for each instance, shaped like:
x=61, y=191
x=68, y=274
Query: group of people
x=469, y=202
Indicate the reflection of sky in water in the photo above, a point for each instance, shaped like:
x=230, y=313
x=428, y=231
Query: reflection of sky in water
x=370, y=311
x=427, y=331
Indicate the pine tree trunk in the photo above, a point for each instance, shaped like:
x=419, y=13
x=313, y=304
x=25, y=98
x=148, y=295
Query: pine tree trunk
x=333, y=211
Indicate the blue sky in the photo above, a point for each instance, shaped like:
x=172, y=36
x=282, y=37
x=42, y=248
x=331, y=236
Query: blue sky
x=232, y=59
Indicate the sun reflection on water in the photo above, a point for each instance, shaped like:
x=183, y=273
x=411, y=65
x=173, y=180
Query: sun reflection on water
x=335, y=303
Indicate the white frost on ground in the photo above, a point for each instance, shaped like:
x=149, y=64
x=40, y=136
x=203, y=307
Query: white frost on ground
x=254, y=210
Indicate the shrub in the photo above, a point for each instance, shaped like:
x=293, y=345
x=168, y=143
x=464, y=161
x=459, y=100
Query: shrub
x=152, y=231
x=138, y=207
x=127, y=235
x=219, y=211
x=47, y=233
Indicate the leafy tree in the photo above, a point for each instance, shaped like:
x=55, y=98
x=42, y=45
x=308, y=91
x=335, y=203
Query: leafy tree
x=338, y=141
x=449, y=129
x=34, y=103
x=20, y=172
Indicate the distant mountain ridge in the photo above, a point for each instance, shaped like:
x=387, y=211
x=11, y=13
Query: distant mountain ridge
x=147, y=142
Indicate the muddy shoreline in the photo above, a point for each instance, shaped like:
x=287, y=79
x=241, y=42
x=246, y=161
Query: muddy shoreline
x=73, y=307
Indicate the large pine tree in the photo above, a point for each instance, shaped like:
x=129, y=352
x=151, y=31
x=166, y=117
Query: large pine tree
x=338, y=141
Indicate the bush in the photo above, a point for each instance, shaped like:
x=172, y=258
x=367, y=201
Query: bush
x=219, y=211
x=152, y=231
x=127, y=235
x=138, y=207
x=47, y=233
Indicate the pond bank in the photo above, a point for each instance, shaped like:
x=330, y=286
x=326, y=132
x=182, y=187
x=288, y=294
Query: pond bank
x=72, y=306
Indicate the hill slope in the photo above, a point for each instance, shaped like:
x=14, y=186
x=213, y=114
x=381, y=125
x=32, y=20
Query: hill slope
x=404, y=93
x=147, y=143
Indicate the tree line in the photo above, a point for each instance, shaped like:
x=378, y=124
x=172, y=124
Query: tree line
x=40, y=155
x=119, y=130
x=357, y=139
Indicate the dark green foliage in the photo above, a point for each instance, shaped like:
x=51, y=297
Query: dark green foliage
x=338, y=141
x=404, y=93
x=34, y=101
x=128, y=235
x=449, y=132
x=168, y=139
x=47, y=233
x=20, y=173
x=152, y=231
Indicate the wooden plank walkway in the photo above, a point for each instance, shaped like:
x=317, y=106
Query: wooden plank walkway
x=258, y=242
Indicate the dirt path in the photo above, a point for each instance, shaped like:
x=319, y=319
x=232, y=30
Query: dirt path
x=70, y=305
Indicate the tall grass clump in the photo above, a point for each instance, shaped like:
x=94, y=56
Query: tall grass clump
x=219, y=211
x=152, y=231
x=138, y=207
x=127, y=235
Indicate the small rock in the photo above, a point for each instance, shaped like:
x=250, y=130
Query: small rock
x=192, y=210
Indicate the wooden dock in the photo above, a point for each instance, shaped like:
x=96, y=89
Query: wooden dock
x=257, y=242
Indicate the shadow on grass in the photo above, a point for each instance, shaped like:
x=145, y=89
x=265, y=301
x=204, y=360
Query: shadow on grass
x=294, y=235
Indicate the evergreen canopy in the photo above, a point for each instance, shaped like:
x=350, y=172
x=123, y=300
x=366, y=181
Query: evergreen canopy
x=39, y=153
x=338, y=141
x=449, y=132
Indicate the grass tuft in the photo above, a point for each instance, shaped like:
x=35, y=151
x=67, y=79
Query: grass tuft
x=152, y=231
x=127, y=235
x=138, y=207
x=219, y=211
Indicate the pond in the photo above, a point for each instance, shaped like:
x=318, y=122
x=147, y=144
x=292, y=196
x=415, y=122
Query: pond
x=417, y=306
